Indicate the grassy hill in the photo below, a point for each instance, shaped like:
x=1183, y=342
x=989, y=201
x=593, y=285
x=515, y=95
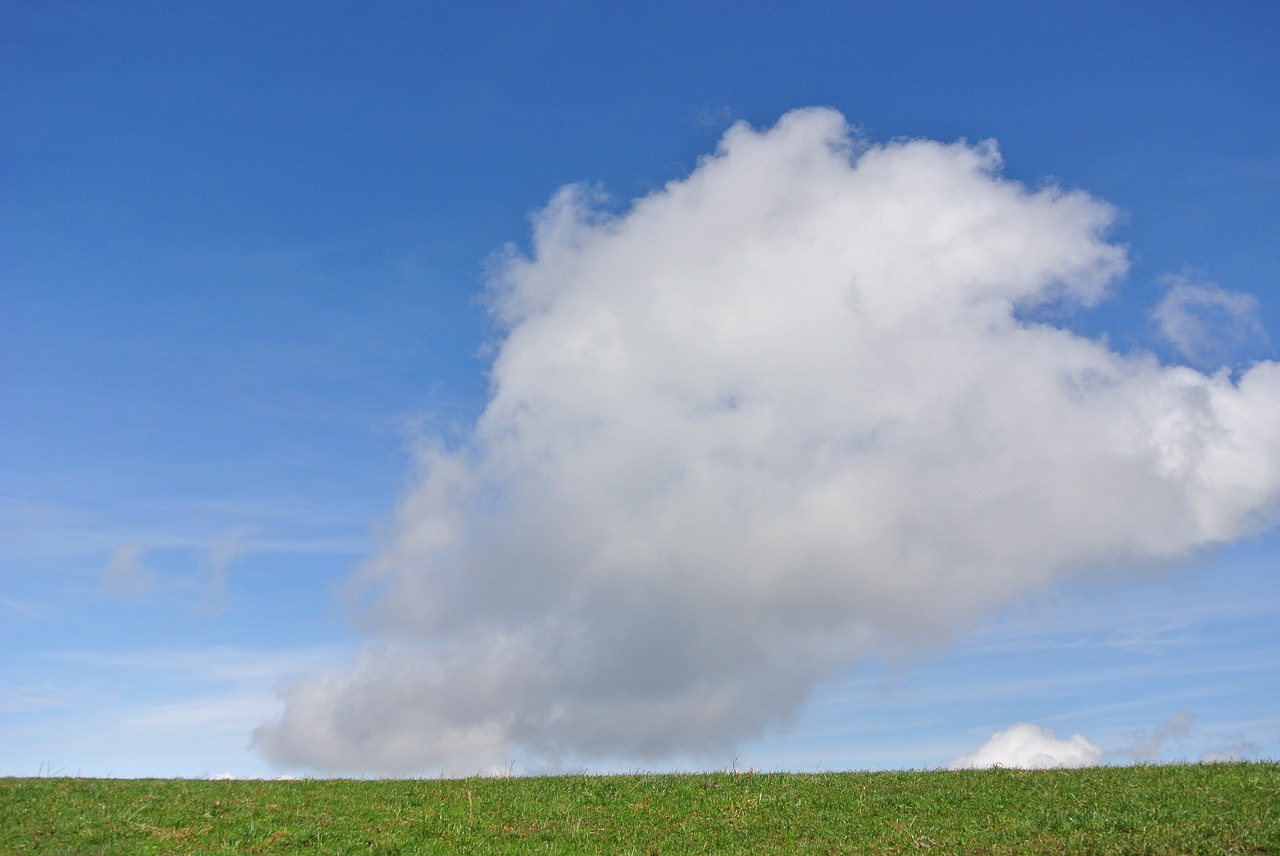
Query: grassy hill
x=1218, y=808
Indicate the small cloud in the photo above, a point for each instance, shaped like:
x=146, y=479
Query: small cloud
x=1031, y=747
x=24, y=608
x=228, y=548
x=1180, y=736
x=219, y=557
x=23, y=699
x=1245, y=751
x=720, y=117
x=1147, y=744
x=1207, y=324
x=125, y=573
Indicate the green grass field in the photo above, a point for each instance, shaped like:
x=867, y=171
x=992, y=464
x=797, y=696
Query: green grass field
x=1219, y=808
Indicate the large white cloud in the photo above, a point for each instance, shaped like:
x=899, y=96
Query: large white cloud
x=776, y=413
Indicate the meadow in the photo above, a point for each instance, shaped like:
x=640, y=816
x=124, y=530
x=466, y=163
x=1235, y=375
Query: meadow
x=1209, y=808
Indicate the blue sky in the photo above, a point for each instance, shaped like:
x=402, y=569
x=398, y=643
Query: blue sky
x=244, y=252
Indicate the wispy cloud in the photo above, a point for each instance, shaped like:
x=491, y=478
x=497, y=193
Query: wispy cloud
x=216, y=663
x=159, y=711
x=24, y=608
x=776, y=415
x=225, y=550
x=125, y=573
x=1208, y=324
x=62, y=531
x=1147, y=743
x=1181, y=734
x=1245, y=750
x=17, y=698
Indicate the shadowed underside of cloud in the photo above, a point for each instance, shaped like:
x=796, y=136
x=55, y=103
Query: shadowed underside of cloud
x=777, y=414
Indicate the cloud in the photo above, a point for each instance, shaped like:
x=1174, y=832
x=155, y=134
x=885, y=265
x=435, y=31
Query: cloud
x=1181, y=731
x=1031, y=747
x=16, y=698
x=24, y=608
x=1146, y=745
x=774, y=416
x=125, y=573
x=1243, y=751
x=152, y=712
x=225, y=551
x=1206, y=323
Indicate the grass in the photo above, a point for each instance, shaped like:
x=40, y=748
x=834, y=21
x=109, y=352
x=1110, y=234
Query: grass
x=1218, y=808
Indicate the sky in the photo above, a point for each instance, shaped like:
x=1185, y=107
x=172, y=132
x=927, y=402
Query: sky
x=424, y=389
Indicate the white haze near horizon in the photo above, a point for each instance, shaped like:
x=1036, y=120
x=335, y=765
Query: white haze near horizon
x=786, y=412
